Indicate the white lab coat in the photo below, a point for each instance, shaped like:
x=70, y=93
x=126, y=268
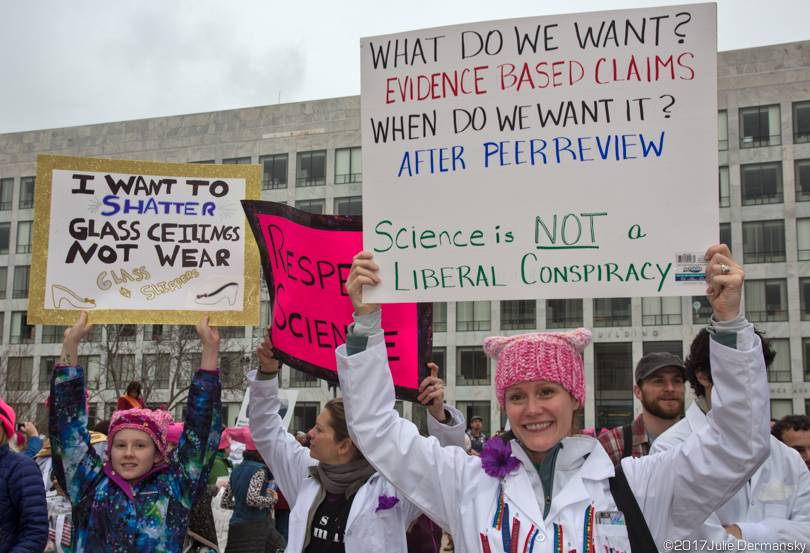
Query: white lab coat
x=676, y=490
x=773, y=507
x=366, y=530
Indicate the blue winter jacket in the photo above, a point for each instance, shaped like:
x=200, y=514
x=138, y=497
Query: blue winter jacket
x=23, y=511
x=111, y=515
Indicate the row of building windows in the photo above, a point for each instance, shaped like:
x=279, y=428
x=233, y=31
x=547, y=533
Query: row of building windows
x=761, y=183
x=26, y=200
x=310, y=168
x=762, y=126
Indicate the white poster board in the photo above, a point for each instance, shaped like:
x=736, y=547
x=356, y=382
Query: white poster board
x=288, y=399
x=549, y=157
x=141, y=242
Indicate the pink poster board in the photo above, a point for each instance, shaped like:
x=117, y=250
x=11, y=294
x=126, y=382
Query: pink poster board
x=306, y=259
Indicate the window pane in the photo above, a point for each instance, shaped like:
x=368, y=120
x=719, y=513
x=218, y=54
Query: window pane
x=766, y=300
x=673, y=347
x=779, y=371
x=439, y=316
x=701, y=310
x=802, y=175
x=473, y=315
x=518, y=315
x=801, y=122
x=614, y=384
x=348, y=166
x=661, y=311
x=781, y=408
x=563, y=314
x=300, y=379
x=760, y=126
x=6, y=193
x=311, y=169
x=21, y=331
x=440, y=359
x=472, y=409
x=20, y=374
x=27, y=192
x=611, y=312
x=46, y=365
x=311, y=206
x=236, y=161
x=21, y=274
x=472, y=367
x=5, y=233
x=722, y=130
x=24, y=236
x=764, y=241
x=349, y=206
x=725, y=189
x=761, y=183
x=3, y=282
x=53, y=334
x=305, y=414
x=725, y=234
x=274, y=171
x=806, y=360
x=156, y=369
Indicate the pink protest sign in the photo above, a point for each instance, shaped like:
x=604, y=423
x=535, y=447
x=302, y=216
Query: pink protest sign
x=306, y=259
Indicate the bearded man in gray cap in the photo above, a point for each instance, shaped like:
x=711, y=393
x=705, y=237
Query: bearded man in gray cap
x=660, y=389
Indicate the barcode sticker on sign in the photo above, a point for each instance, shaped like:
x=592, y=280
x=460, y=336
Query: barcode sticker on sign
x=690, y=268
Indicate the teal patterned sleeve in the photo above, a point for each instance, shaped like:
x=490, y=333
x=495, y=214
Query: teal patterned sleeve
x=191, y=464
x=76, y=464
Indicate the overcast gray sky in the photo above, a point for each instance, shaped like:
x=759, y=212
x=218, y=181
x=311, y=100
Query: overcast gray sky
x=82, y=62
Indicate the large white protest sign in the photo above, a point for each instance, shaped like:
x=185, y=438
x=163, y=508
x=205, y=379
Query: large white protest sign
x=549, y=157
x=141, y=242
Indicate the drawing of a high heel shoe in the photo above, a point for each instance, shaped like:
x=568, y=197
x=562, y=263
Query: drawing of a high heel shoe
x=228, y=291
x=59, y=293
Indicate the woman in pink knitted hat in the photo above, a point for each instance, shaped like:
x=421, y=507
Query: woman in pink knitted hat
x=541, y=485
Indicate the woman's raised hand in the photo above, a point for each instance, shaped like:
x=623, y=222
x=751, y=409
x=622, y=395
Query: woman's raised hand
x=431, y=394
x=268, y=364
x=725, y=279
x=209, y=336
x=363, y=273
x=70, y=343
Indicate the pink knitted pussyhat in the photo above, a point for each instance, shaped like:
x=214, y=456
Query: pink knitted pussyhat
x=174, y=432
x=154, y=423
x=553, y=356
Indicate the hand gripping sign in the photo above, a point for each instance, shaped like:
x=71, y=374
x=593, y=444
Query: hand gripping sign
x=306, y=259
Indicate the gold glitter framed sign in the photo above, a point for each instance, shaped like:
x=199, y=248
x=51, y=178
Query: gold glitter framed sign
x=143, y=242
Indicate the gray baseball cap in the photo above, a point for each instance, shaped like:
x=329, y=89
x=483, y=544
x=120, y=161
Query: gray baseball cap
x=655, y=361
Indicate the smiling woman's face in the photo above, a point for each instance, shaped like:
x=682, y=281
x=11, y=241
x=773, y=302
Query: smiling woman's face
x=133, y=453
x=540, y=414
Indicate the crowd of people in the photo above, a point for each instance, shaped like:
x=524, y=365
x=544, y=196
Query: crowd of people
x=363, y=479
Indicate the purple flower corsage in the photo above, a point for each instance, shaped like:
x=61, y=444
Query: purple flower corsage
x=386, y=503
x=497, y=459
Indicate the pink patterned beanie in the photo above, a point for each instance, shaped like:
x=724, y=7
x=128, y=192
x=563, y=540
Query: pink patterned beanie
x=554, y=357
x=225, y=439
x=154, y=423
x=174, y=432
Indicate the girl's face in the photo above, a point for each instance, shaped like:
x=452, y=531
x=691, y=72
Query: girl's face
x=133, y=453
x=322, y=444
x=540, y=414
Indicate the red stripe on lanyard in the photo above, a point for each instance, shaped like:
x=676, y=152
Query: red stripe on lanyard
x=528, y=537
x=485, y=544
x=513, y=548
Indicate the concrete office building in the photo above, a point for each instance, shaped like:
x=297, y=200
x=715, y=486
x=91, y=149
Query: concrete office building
x=310, y=155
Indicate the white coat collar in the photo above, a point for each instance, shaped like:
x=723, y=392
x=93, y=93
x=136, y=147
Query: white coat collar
x=581, y=457
x=361, y=497
x=697, y=420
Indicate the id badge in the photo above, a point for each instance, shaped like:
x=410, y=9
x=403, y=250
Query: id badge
x=610, y=532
